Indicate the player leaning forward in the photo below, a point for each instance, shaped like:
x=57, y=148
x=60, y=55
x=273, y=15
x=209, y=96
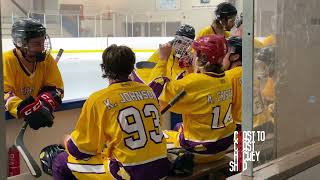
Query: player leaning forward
x=207, y=128
x=118, y=133
x=33, y=85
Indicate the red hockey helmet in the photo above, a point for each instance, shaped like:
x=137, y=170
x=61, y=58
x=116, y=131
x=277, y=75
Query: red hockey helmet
x=213, y=46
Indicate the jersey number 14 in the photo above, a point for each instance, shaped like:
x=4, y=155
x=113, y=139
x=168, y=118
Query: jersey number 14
x=216, y=124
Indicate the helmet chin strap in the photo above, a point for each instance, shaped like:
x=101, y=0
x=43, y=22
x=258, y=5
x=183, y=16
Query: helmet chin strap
x=40, y=56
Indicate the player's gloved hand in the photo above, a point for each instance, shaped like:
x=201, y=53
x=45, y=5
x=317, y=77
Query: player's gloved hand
x=50, y=99
x=33, y=111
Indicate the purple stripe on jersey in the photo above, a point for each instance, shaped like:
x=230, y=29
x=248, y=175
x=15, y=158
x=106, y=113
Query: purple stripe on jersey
x=60, y=170
x=136, y=78
x=215, y=75
x=114, y=167
x=181, y=75
x=75, y=152
x=7, y=98
x=211, y=147
x=149, y=171
x=158, y=84
x=178, y=126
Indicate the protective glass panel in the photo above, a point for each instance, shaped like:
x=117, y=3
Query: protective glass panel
x=286, y=95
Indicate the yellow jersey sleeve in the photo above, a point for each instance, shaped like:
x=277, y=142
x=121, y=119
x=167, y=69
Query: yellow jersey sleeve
x=154, y=57
x=172, y=68
x=159, y=70
x=235, y=75
x=10, y=99
x=144, y=74
x=19, y=83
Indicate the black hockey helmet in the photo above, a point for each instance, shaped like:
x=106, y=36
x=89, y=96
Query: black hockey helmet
x=225, y=10
x=47, y=155
x=25, y=29
x=186, y=31
x=266, y=54
x=235, y=43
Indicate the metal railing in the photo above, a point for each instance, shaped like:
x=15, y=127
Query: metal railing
x=104, y=25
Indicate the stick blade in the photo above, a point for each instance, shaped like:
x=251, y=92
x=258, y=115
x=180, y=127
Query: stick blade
x=145, y=64
x=28, y=159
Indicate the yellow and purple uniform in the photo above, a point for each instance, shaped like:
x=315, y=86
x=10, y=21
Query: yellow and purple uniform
x=173, y=68
x=207, y=128
x=262, y=112
x=209, y=30
x=235, y=75
x=19, y=83
x=118, y=135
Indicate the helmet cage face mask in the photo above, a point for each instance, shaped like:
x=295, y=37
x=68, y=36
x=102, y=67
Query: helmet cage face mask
x=47, y=49
x=39, y=56
x=27, y=29
x=182, y=47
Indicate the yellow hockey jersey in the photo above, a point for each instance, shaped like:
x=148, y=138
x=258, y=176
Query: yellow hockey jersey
x=173, y=68
x=235, y=76
x=209, y=30
x=206, y=108
x=121, y=122
x=19, y=83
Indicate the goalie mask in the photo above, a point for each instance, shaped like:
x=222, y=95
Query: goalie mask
x=30, y=37
x=182, y=44
x=183, y=51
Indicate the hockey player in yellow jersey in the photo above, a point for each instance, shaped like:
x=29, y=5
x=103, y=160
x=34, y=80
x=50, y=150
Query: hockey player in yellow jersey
x=223, y=23
x=118, y=134
x=33, y=86
x=232, y=63
x=207, y=128
x=264, y=87
x=179, y=59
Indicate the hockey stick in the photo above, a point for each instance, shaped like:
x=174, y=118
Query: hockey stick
x=173, y=101
x=59, y=55
x=145, y=64
x=31, y=163
x=19, y=143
